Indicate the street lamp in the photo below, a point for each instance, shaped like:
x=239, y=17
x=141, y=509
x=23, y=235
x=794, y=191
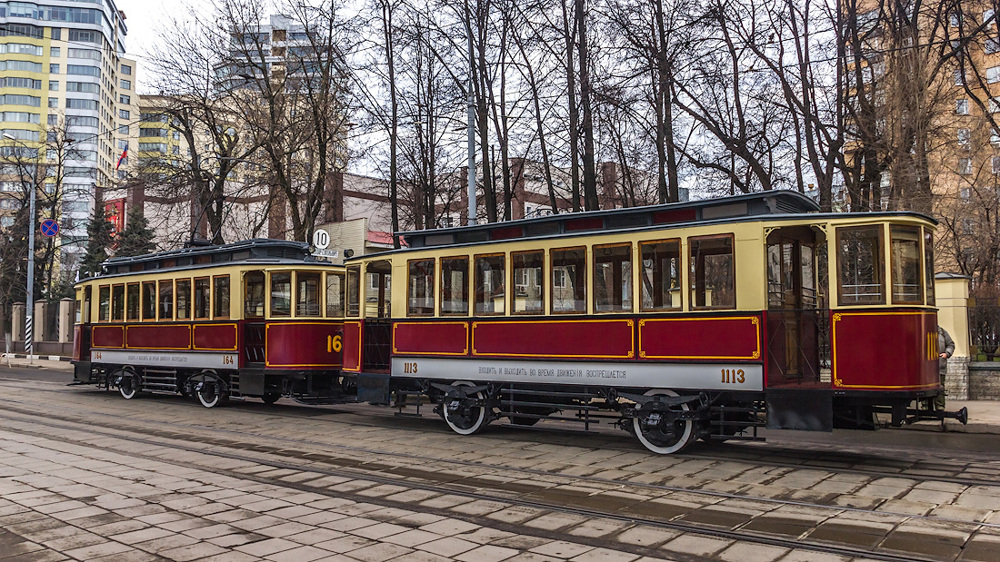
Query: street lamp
x=29, y=313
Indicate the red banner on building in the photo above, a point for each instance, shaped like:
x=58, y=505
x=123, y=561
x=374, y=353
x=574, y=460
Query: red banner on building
x=115, y=211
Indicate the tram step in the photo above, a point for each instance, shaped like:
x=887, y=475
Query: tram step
x=548, y=405
x=154, y=387
x=579, y=395
x=325, y=400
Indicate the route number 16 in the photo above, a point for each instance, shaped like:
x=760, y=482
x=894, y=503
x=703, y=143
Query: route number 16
x=334, y=344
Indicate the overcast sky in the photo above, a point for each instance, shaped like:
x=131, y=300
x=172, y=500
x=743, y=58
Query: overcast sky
x=144, y=19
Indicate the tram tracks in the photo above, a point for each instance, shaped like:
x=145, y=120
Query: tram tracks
x=326, y=466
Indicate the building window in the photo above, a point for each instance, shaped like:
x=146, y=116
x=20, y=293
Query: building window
x=991, y=46
x=965, y=193
x=122, y=129
x=988, y=18
x=955, y=20
x=53, y=102
x=996, y=164
x=960, y=77
x=963, y=137
x=53, y=85
x=962, y=106
x=126, y=84
x=123, y=113
x=53, y=69
x=965, y=166
x=53, y=119
x=127, y=100
x=993, y=74
x=126, y=70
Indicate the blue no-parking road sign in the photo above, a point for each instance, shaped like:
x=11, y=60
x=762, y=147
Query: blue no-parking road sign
x=49, y=227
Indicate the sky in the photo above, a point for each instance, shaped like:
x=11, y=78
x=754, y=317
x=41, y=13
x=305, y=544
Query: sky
x=144, y=18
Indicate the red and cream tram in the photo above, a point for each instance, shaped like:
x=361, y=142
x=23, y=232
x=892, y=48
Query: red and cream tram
x=693, y=320
x=260, y=318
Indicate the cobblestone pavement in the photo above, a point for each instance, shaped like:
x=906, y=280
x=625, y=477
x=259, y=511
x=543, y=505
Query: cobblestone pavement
x=85, y=475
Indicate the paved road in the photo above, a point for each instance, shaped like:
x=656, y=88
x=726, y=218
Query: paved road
x=86, y=475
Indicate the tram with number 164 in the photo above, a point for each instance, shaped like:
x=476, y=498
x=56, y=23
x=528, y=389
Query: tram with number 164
x=260, y=318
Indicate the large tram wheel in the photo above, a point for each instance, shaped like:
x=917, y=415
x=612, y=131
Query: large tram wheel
x=461, y=415
x=210, y=391
x=656, y=435
x=128, y=385
x=270, y=398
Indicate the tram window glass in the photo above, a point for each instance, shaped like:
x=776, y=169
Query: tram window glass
x=490, y=296
x=527, y=275
x=455, y=286
x=334, y=295
x=221, y=297
x=183, y=299
x=569, y=280
x=149, y=300
x=281, y=294
x=353, y=291
x=166, y=300
x=420, y=288
x=904, y=243
x=104, y=303
x=661, y=275
x=859, y=265
x=202, y=296
x=253, y=294
x=307, y=295
x=713, y=272
x=929, y=265
x=117, y=303
x=132, y=301
x=613, y=278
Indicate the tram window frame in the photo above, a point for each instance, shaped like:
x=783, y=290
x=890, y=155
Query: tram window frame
x=182, y=288
x=149, y=299
x=427, y=309
x=578, y=278
x=675, y=284
x=538, y=255
x=165, y=299
x=928, y=235
x=221, y=301
x=202, y=291
x=698, y=270
x=495, y=295
x=272, y=311
x=104, y=303
x=900, y=235
x=626, y=292
x=317, y=311
x=118, y=302
x=340, y=295
x=352, y=292
x=132, y=302
x=83, y=311
x=255, y=288
x=462, y=308
x=879, y=269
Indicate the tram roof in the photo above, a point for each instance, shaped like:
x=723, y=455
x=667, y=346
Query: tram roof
x=745, y=205
x=257, y=250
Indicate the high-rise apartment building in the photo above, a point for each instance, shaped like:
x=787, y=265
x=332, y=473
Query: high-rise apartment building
x=67, y=96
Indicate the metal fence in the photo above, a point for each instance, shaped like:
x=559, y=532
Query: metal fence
x=984, y=329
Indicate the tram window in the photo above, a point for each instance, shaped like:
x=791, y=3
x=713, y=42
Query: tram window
x=281, y=294
x=149, y=300
x=353, y=291
x=613, y=278
x=713, y=272
x=253, y=294
x=221, y=297
x=132, y=301
x=307, y=293
x=455, y=286
x=104, y=303
x=569, y=280
x=490, y=271
x=117, y=303
x=420, y=289
x=929, y=265
x=905, y=261
x=83, y=308
x=334, y=295
x=661, y=275
x=202, y=297
x=859, y=265
x=166, y=300
x=528, y=292
x=183, y=299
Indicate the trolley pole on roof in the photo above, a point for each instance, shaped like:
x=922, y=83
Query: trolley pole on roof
x=471, y=119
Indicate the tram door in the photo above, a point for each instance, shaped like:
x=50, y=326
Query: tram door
x=793, y=308
x=377, y=339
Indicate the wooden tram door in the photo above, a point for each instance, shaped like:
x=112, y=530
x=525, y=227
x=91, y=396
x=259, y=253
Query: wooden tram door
x=795, y=300
x=377, y=339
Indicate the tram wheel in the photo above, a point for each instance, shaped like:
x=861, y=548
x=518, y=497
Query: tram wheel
x=461, y=415
x=210, y=393
x=129, y=386
x=270, y=398
x=660, y=438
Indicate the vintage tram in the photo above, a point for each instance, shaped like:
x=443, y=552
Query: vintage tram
x=702, y=319
x=260, y=318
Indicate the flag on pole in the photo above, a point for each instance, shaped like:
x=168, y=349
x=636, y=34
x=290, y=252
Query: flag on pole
x=122, y=157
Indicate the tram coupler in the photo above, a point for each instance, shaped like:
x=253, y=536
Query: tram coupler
x=917, y=415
